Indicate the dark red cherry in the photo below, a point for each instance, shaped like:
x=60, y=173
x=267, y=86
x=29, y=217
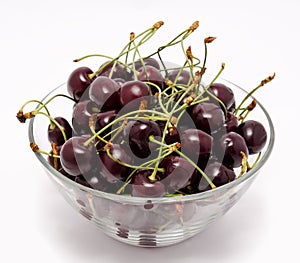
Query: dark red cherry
x=223, y=93
x=207, y=117
x=103, y=91
x=141, y=186
x=218, y=174
x=172, y=134
x=132, y=91
x=228, y=149
x=255, y=135
x=119, y=81
x=197, y=145
x=231, y=122
x=82, y=112
x=104, y=118
x=75, y=157
x=192, y=185
x=153, y=75
x=79, y=81
x=139, y=134
x=111, y=170
x=118, y=72
x=178, y=172
x=179, y=77
x=147, y=62
x=54, y=133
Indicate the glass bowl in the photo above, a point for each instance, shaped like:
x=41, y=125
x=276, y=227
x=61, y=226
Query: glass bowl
x=148, y=222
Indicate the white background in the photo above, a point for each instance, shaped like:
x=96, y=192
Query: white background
x=39, y=40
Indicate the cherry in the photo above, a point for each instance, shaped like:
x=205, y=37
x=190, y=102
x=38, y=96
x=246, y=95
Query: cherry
x=139, y=134
x=192, y=185
x=197, y=145
x=172, y=133
x=153, y=75
x=141, y=186
x=147, y=62
x=82, y=112
x=207, y=117
x=229, y=147
x=79, y=81
x=255, y=135
x=111, y=170
x=75, y=157
x=218, y=173
x=119, y=81
x=223, y=93
x=54, y=133
x=178, y=172
x=103, y=91
x=104, y=118
x=231, y=122
x=132, y=91
x=178, y=77
x=118, y=72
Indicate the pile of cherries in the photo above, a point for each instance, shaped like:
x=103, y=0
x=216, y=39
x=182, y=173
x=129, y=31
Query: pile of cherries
x=145, y=130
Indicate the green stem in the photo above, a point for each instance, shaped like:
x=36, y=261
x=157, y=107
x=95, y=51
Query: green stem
x=245, y=98
x=55, y=96
x=156, y=160
x=34, y=101
x=129, y=165
x=192, y=86
x=121, y=118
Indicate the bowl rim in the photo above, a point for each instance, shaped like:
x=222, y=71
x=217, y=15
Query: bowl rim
x=167, y=199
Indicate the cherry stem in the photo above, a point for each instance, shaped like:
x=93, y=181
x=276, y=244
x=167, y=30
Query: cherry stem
x=127, y=49
x=121, y=118
x=212, y=95
x=145, y=164
x=136, y=51
x=43, y=105
x=92, y=55
x=132, y=36
x=206, y=41
x=261, y=84
x=189, y=59
x=192, y=86
x=173, y=42
x=55, y=152
x=164, y=109
x=34, y=147
x=197, y=168
x=34, y=101
x=245, y=164
x=170, y=147
x=247, y=110
x=129, y=165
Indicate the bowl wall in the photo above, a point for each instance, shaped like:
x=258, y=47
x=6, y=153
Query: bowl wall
x=148, y=222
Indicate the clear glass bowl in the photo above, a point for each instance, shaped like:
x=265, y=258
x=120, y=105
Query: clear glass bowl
x=148, y=222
